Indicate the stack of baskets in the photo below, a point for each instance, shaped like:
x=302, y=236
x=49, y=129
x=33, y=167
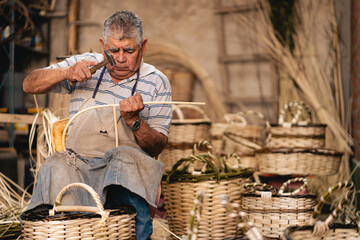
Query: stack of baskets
x=183, y=182
x=297, y=147
x=240, y=137
x=273, y=211
x=189, y=125
x=79, y=222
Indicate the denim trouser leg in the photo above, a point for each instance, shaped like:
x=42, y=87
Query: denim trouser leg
x=119, y=196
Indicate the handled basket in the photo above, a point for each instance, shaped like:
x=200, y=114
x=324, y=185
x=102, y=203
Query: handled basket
x=243, y=138
x=272, y=212
x=299, y=161
x=79, y=222
x=327, y=230
x=296, y=133
x=183, y=182
x=184, y=133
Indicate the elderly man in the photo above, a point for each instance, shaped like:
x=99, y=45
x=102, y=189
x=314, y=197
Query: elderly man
x=123, y=175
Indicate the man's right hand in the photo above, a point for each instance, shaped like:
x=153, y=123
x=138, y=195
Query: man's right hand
x=80, y=72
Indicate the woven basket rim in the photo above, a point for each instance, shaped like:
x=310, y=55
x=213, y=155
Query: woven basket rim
x=320, y=151
x=44, y=215
x=332, y=226
x=299, y=125
x=190, y=121
x=311, y=196
x=182, y=177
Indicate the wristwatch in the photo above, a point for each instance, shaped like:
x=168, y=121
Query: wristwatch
x=135, y=125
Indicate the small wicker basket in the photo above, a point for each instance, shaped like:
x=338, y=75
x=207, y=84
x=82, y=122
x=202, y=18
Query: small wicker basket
x=184, y=133
x=181, y=185
x=79, y=222
x=272, y=212
x=295, y=133
x=327, y=230
x=299, y=161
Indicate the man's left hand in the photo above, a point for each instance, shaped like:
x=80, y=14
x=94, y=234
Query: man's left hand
x=130, y=108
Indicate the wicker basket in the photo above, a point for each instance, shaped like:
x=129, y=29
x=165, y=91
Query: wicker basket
x=180, y=188
x=240, y=137
x=300, y=161
x=184, y=133
x=272, y=212
x=297, y=132
x=297, y=136
x=318, y=230
x=79, y=222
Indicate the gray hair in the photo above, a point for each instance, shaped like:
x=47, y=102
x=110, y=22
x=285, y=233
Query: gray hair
x=125, y=22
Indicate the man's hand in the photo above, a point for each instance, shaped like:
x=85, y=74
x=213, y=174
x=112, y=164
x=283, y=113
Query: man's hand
x=79, y=72
x=130, y=108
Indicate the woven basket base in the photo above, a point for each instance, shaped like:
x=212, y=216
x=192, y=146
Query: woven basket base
x=120, y=227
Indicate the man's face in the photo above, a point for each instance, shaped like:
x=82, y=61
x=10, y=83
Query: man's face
x=127, y=55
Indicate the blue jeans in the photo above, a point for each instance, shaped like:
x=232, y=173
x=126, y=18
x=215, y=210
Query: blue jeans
x=119, y=196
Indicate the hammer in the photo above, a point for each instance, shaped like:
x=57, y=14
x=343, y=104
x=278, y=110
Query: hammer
x=108, y=59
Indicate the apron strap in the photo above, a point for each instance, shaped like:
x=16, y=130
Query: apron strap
x=136, y=81
x=101, y=77
x=98, y=82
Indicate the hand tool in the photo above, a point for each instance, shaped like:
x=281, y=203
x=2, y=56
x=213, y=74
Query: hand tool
x=108, y=59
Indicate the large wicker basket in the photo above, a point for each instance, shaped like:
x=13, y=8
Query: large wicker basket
x=79, y=222
x=180, y=187
x=272, y=212
x=327, y=230
x=185, y=131
x=300, y=161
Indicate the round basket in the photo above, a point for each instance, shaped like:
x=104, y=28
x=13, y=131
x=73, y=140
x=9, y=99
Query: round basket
x=186, y=129
x=300, y=161
x=327, y=230
x=297, y=136
x=184, y=133
x=79, y=222
x=180, y=188
x=272, y=212
x=295, y=129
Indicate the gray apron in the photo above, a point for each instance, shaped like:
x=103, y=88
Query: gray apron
x=94, y=159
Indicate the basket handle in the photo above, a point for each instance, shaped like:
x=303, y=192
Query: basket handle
x=235, y=118
x=300, y=107
x=321, y=227
x=284, y=185
x=258, y=188
x=205, y=158
x=260, y=116
x=177, y=109
x=99, y=209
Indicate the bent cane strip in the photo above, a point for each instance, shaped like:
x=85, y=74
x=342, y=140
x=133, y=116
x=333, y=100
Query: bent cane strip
x=117, y=105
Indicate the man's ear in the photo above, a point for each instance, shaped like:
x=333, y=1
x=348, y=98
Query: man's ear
x=102, y=44
x=143, y=47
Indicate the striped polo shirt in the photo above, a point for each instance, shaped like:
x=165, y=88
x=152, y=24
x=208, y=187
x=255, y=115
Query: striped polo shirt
x=152, y=84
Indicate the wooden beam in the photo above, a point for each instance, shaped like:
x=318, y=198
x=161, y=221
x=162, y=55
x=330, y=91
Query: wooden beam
x=18, y=118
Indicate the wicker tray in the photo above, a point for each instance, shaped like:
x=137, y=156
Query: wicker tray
x=300, y=161
x=79, y=222
x=272, y=212
x=180, y=187
x=327, y=230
